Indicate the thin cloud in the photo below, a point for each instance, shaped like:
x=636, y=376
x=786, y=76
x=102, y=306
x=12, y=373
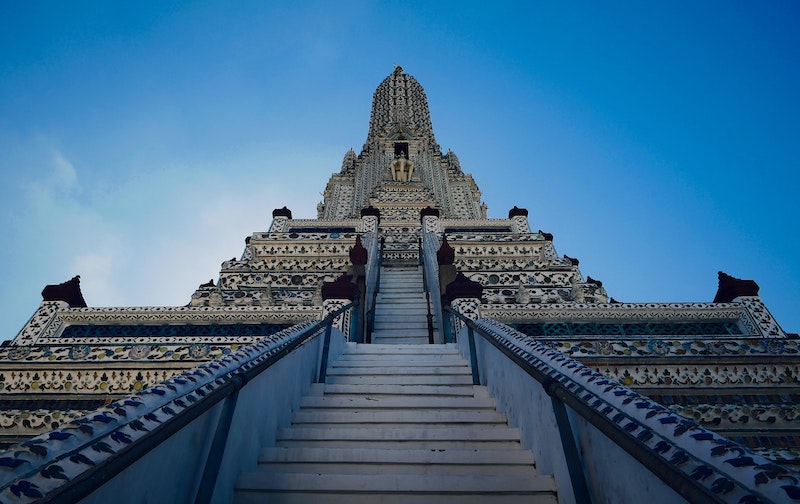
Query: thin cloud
x=65, y=176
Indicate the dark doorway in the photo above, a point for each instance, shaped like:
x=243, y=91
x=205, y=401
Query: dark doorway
x=401, y=148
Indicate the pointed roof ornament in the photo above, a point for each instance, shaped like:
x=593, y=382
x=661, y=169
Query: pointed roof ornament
x=515, y=212
x=730, y=288
x=282, y=212
x=358, y=254
x=446, y=254
x=372, y=211
x=69, y=292
x=462, y=287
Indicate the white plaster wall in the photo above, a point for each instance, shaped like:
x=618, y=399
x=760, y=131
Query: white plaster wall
x=168, y=472
x=616, y=475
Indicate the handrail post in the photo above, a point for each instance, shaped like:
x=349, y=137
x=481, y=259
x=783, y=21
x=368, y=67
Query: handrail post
x=473, y=356
x=433, y=298
x=573, y=459
x=214, y=458
x=326, y=346
x=447, y=326
x=429, y=315
x=355, y=324
x=370, y=313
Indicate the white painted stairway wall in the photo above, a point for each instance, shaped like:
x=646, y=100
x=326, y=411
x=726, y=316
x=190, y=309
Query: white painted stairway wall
x=397, y=424
x=401, y=308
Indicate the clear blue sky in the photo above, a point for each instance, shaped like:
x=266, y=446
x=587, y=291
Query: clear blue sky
x=140, y=142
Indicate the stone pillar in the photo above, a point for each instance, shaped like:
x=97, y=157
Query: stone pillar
x=337, y=294
x=280, y=217
x=370, y=220
x=429, y=217
x=464, y=296
x=519, y=216
x=341, y=322
x=548, y=251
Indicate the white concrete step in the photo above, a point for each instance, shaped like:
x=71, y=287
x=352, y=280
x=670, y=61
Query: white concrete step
x=417, y=339
x=390, y=468
x=402, y=310
x=411, y=332
x=401, y=390
x=434, y=438
x=390, y=456
x=403, y=402
x=302, y=497
x=382, y=361
x=384, y=335
x=401, y=380
x=447, y=348
x=400, y=327
x=399, y=370
x=397, y=423
x=485, y=418
x=398, y=331
x=387, y=300
x=401, y=318
x=420, y=488
x=400, y=306
x=393, y=350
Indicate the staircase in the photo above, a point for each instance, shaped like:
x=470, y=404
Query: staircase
x=401, y=308
x=397, y=424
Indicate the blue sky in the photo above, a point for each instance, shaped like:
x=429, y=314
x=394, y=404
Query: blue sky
x=141, y=142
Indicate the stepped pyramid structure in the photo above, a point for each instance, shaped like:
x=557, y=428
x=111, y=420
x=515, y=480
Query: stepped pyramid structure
x=402, y=347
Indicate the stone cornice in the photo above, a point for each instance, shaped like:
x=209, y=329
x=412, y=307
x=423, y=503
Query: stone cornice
x=51, y=317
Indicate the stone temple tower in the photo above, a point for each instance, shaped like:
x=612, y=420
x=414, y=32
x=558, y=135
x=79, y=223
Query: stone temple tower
x=402, y=345
x=401, y=168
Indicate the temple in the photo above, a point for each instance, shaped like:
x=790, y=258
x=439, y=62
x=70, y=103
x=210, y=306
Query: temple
x=402, y=347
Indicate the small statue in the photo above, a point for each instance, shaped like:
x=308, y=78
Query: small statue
x=522, y=297
x=402, y=169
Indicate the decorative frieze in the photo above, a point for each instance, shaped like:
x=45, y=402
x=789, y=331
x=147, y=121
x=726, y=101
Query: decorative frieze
x=706, y=347
x=739, y=374
x=48, y=322
x=25, y=423
x=84, y=379
x=742, y=416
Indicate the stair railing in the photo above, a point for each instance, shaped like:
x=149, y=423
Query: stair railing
x=695, y=462
x=429, y=244
x=429, y=315
x=373, y=285
x=103, y=444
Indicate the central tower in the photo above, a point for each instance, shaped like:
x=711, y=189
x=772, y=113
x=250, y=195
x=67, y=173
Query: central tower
x=401, y=168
